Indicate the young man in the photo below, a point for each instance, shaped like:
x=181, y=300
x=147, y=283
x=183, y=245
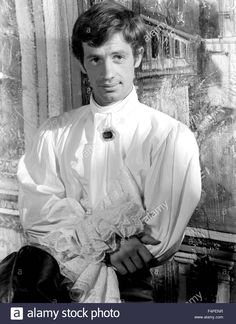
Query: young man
x=111, y=185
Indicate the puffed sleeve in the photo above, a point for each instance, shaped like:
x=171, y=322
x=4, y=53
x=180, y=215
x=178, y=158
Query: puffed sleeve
x=42, y=197
x=43, y=205
x=172, y=189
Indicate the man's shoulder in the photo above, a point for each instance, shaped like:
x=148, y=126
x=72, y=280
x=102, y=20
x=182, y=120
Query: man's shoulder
x=156, y=118
x=162, y=125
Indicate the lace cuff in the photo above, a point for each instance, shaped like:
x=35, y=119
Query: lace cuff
x=93, y=237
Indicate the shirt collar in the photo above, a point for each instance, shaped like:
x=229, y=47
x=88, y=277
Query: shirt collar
x=117, y=106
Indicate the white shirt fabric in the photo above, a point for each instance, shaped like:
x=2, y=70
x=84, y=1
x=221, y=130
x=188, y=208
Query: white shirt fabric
x=147, y=175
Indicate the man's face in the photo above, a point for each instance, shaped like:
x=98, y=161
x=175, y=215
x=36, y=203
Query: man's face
x=110, y=69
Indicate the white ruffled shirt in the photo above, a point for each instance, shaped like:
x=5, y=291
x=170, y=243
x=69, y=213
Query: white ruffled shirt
x=79, y=190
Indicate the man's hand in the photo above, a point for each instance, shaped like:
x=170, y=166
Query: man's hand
x=133, y=255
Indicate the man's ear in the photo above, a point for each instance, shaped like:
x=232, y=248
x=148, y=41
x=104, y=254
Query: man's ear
x=82, y=68
x=138, y=57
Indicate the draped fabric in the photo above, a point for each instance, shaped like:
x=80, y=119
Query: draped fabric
x=80, y=191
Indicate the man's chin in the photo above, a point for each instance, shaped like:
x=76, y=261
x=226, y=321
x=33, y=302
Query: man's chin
x=109, y=98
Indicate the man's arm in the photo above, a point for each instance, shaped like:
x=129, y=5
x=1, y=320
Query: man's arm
x=172, y=190
x=45, y=211
x=171, y=184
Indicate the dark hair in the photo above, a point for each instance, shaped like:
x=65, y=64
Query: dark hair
x=102, y=20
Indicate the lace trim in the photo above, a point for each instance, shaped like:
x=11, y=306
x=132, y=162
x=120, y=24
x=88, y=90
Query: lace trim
x=78, y=249
x=75, y=248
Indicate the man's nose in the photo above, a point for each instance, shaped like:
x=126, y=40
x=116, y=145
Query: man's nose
x=108, y=69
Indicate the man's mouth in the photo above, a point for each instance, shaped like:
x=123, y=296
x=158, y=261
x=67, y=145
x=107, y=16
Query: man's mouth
x=110, y=86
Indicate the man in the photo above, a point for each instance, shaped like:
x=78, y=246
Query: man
x=114, y=180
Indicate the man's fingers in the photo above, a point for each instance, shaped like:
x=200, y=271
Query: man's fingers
x=137, y=261
x=148, y=239
x=145, y=254
x=132, y=255
x=120, y=268
x=129, y=265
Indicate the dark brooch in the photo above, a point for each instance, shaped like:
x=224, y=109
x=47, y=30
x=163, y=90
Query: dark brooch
x=108, y=134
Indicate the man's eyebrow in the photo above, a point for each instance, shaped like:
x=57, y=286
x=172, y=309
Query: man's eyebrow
x=92, y=56
x=120, y=52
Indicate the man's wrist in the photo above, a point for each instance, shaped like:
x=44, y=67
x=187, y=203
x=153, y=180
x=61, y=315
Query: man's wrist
x=107, y=259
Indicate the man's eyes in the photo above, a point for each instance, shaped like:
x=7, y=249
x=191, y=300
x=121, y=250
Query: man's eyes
x=94, y=60
x=117, y=58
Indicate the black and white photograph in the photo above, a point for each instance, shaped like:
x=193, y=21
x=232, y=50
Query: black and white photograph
x=118, y=152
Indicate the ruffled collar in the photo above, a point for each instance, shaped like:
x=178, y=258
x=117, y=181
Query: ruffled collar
x=116, y=107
